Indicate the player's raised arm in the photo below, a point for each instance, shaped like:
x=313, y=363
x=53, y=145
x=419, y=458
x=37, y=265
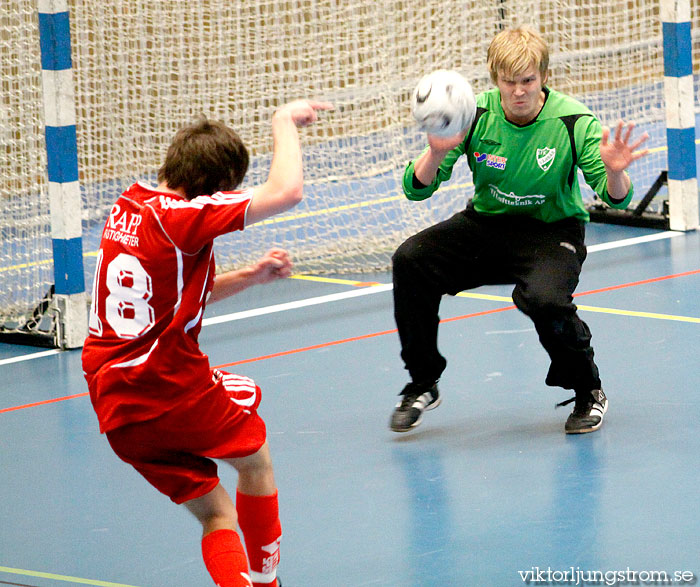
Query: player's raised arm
x=617, y=154
x=284, y=185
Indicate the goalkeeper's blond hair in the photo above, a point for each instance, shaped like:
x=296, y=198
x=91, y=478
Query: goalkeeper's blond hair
x=514, y=50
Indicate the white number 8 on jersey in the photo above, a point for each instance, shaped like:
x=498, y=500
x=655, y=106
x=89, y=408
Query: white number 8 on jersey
x=126, y=308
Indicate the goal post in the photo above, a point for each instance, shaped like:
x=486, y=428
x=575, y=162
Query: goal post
x=69, y=303
x=91, y=93
x=677, y=179
x=680, y=115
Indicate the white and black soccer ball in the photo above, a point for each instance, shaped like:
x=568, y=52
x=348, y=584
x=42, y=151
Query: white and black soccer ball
x=443, y=103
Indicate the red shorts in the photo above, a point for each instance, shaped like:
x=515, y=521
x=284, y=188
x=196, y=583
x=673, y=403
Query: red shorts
x=174, y=451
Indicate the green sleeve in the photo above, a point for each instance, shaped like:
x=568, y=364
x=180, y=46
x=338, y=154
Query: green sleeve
x=443, y=174
x=592, y=166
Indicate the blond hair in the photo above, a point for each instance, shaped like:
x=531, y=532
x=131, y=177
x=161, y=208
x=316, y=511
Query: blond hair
x=514, y=50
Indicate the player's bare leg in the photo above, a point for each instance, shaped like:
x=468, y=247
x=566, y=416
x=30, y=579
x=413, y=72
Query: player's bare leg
x=222, y=549
x=255, y=472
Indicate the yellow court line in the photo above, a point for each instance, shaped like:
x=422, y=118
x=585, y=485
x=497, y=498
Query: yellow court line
x=639, y=314
x=509, y=300
x=463, y=294
x=478, y=296
x=593, y=309
x=62, y=578
x=319, y=279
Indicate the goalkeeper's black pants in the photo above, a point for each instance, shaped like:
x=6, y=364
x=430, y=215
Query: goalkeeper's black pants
x=543, y=261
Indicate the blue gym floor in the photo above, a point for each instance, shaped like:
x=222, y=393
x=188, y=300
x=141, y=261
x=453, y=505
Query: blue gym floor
x=487, y=489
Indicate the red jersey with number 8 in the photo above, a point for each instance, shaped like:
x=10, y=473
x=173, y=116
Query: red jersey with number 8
x=155, y=270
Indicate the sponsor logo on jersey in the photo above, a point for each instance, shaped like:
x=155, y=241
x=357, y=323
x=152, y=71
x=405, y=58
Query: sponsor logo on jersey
x=512, y=199
x=491, y=160
x=122, y=226
x=545, y=157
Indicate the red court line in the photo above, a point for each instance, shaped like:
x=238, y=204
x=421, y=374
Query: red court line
x=323, y=345
x=372, y=335
x=48, y=401
x=634, y=283
x=272, y=356
x=351, y=339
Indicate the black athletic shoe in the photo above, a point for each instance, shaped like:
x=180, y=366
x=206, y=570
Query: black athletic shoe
x=589, y=409
x=417, y=397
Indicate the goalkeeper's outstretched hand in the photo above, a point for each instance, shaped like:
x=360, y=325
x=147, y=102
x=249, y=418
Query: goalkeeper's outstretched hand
x=617, y=154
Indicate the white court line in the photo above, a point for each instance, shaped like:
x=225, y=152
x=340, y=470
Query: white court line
x=344, y=295
x=634, y=241
x=29, y=357
x=353, y=293
x=372, y=289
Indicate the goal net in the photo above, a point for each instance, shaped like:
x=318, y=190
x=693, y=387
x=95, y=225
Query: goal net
x=142, y=69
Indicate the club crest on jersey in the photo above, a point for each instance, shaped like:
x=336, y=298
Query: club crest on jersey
x=491, y=160
x=545, y=157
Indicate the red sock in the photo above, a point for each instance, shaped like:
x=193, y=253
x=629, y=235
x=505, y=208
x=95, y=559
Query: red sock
x=258, y=517
x=225, y=559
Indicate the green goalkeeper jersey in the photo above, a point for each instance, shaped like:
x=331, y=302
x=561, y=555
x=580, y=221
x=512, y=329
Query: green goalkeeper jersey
x=531, y=169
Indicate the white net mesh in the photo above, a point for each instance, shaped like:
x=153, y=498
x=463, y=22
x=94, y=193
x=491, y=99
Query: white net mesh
x=26, y=271
x=142, y=69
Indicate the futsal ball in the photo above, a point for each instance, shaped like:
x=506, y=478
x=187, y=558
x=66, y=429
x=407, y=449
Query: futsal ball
x=443, y=103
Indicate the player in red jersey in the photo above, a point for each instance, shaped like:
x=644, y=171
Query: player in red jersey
x=161, y=406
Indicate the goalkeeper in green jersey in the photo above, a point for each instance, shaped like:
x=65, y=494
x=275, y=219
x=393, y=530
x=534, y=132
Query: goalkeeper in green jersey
x=524, y=225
